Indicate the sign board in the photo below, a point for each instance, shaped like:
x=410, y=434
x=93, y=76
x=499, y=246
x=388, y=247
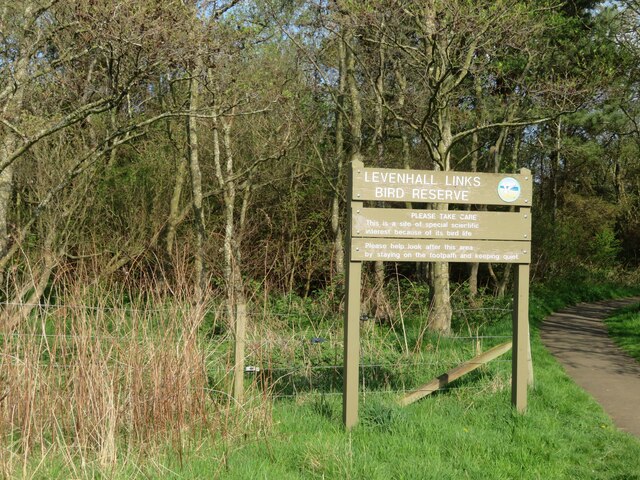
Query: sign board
x=427, y=250
x=421, y=186
x=442, y=235
x=411, y=223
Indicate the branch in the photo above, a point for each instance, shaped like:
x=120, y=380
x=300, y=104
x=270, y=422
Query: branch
x=518, y=123
x=13, y=128
x=631, y=119
x=317, y=68
x=225, y=8
x=68, y=120
x=119, y=138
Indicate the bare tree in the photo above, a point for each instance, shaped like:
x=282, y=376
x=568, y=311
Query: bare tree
x=441, y=46
x=62, y=65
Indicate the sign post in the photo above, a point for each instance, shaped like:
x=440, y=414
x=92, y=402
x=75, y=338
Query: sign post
x=421, y=235
x=521, y=353
x=351, y=334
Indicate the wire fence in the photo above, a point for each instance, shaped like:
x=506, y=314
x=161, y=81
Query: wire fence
x=294, y=366
x=166, y=309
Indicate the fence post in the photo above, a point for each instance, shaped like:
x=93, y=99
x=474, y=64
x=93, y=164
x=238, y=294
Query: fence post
x=240, y=326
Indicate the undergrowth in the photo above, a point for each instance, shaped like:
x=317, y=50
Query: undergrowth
x=100, y=386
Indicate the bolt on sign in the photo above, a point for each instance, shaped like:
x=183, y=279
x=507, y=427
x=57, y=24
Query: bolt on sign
x=425, y=235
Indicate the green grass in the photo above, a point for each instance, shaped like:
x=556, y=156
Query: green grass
x=467, y=431
x=624, y=329
x=470, y=431
x=459, y=434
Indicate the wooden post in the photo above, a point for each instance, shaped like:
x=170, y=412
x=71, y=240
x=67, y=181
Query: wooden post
x=529, y=358
x=351, y=345
x=240, y=326
x=526, y=211
x=351, y=317
x=520, y=352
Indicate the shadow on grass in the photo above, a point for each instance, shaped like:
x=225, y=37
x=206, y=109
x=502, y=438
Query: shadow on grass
x=383, y=379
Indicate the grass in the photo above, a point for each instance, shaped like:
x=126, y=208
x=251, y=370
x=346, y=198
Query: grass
x=460, y=434
x=469, y=431
x=291, y=426
x=624, y=329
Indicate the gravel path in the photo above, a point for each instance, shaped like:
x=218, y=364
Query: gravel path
x=577, y=337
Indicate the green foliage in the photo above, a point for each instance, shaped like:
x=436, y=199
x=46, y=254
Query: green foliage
x=552, y=296
x=458, y=433
x=380, y=415
x=468, y=428
x=605, y=248
x=408, y=296
x=624, y=328
x=581, y=240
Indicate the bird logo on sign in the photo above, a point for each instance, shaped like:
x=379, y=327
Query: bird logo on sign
x=509, y=189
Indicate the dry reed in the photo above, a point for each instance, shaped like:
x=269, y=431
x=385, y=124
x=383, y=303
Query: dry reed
x=97, y=378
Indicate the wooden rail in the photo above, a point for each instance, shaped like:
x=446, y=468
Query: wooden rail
x=455, y=373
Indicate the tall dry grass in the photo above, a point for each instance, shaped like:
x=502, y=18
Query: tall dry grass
x=99, y=375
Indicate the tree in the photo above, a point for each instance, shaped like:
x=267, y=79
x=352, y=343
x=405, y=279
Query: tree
x=439, y=48
x=72, y=70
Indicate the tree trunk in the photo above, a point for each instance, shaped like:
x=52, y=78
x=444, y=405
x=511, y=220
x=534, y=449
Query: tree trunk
x=236, y=301
x=401, y=81
x=174, y=210
x=555, y=170
x=475, y=157
x=338, y=245
x=196, y=181
x=7, y=145
x=26, y=299
x=354, y=97
x=239, y=298
x=504, y=283
x=382, y=307
x=441, y=312
x=231, y=261
x=6, y=191
x=475, y=266
x=498, y=150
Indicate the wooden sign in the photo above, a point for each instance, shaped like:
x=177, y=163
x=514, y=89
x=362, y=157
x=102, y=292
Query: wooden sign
x=426, y=250
x=424, y=235
x=411, y=223
x=421, y=186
